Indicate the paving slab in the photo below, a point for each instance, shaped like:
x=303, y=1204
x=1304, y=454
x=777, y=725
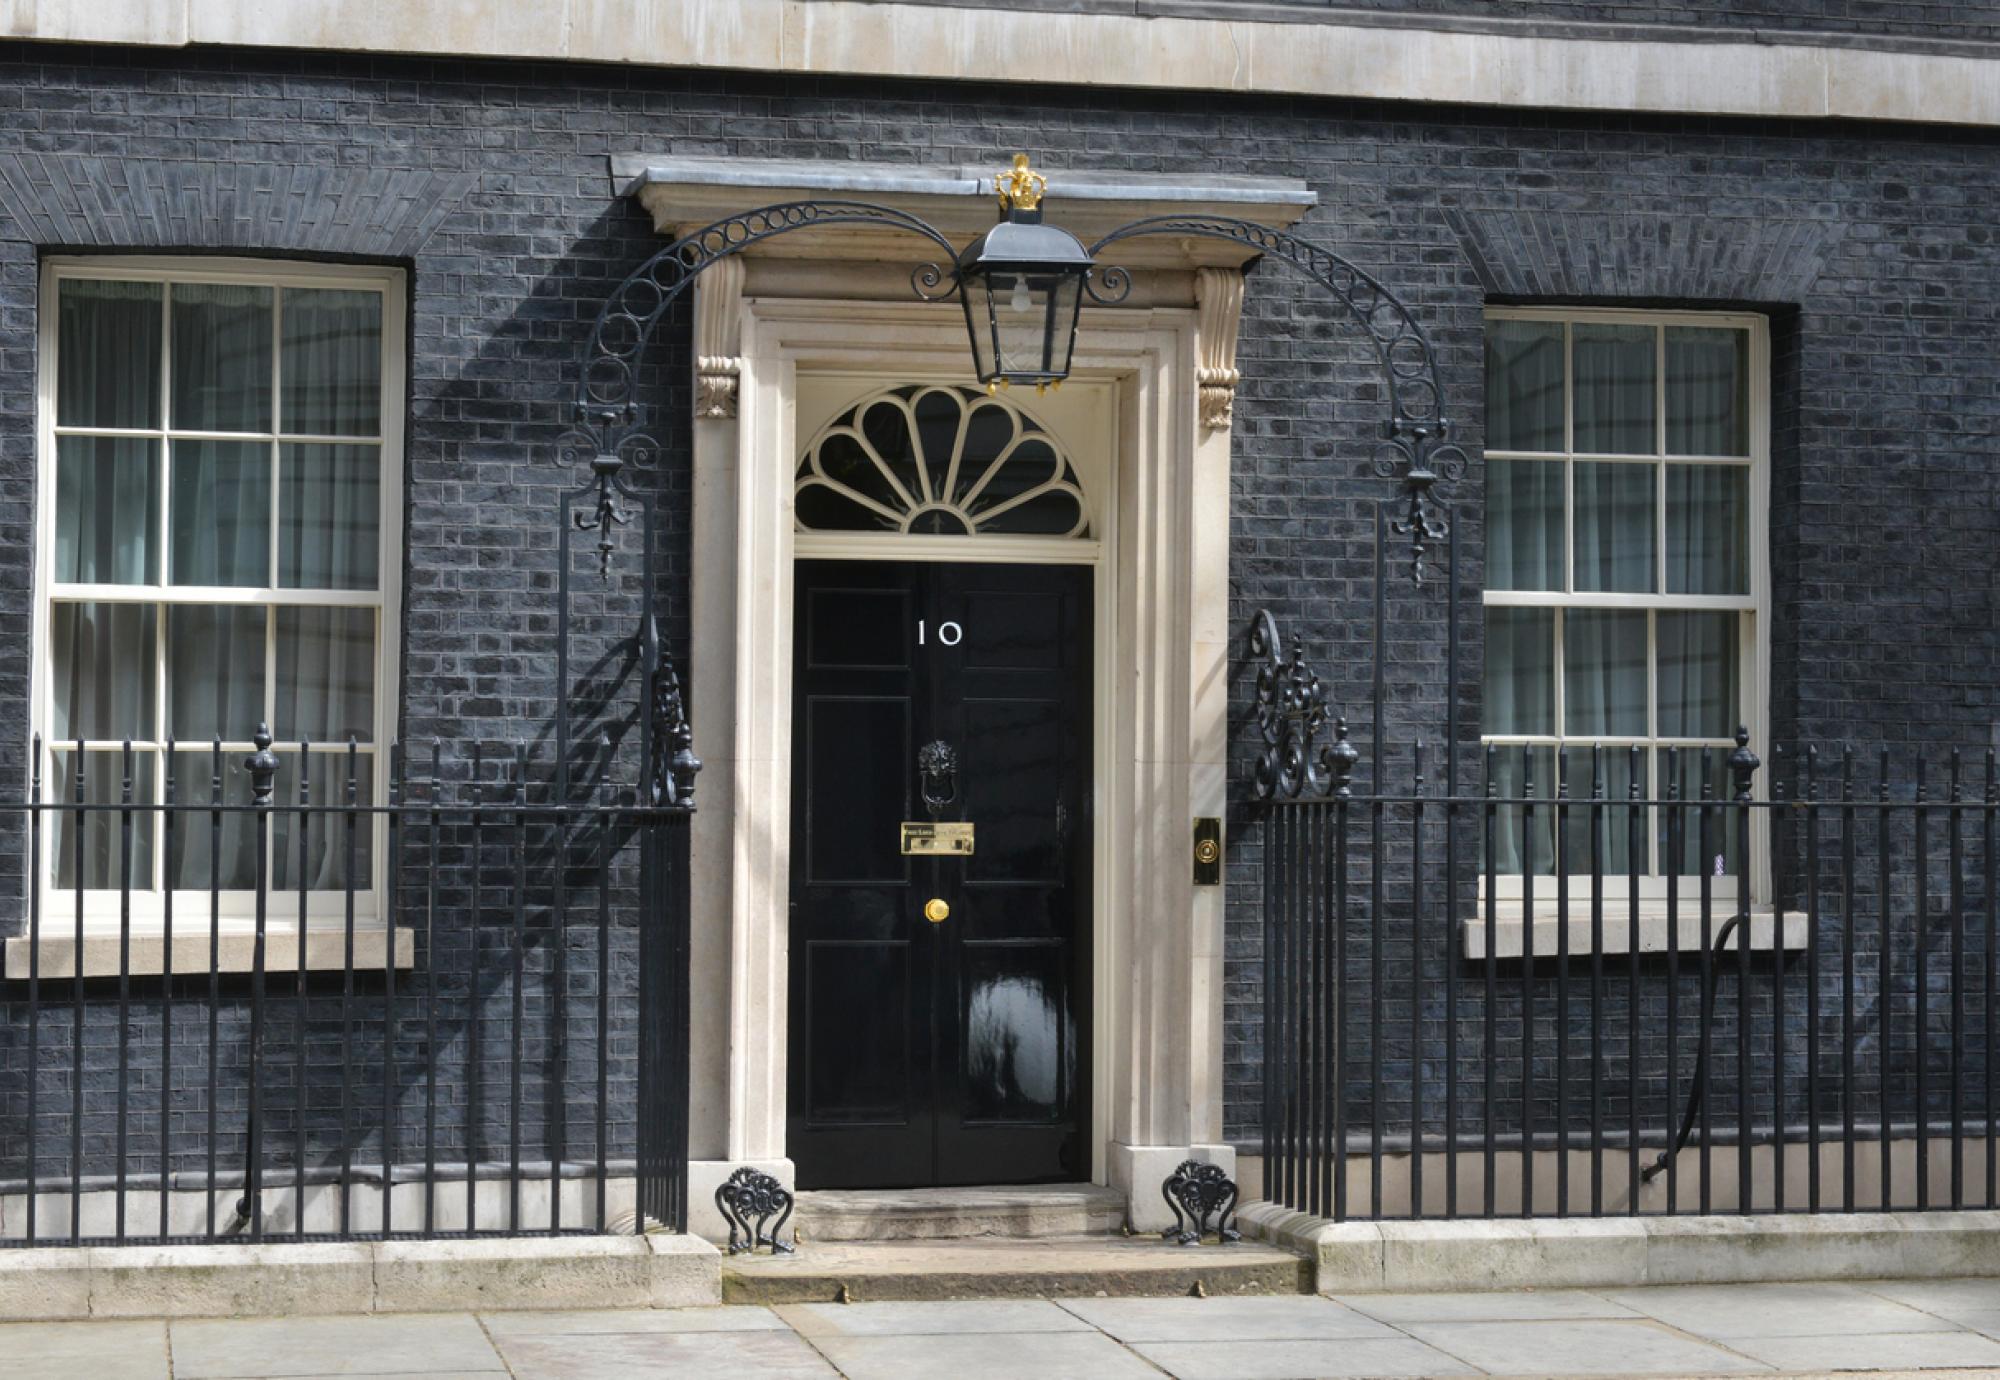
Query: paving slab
x=1520, y=1305
x=1289, y=1360
x=256, y=1348
x=767, y=1354
x=1948, y=1298
x=1985, y=1324
x=987, y=1356
x=1633, y=1346
x=572, y=1322
x=84, y=1350
x=1305, y=1318
x=1721, y=1311
x=1893, y=1351
x=957, y=1316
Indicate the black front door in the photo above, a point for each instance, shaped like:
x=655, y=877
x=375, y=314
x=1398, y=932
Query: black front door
x=953, y=1047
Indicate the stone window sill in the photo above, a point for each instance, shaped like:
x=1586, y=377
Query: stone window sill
x=325, y=951
x=1510, y=928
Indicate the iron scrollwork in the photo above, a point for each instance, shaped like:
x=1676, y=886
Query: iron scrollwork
x=672, y=765
x=1417, y=445
x=748, y=1199
x=1197, y=1193
x=1291, y=712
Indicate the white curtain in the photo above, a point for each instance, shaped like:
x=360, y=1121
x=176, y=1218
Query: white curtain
x=1524, y=524
x=1708, y=391
x=1613, y=379
x=1524, y=385
x=215, y=689
x=325, y=694
x=218, y=523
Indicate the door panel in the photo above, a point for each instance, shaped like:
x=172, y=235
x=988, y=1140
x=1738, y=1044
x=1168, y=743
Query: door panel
x=851, y=746
x=871, y=1080
x=940, y=1053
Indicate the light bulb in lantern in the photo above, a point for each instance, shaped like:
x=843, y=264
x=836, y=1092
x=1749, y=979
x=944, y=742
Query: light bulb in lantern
x=1019, y=302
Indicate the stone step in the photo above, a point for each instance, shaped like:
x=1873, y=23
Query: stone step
x=992, y=1268
x=934, y=1214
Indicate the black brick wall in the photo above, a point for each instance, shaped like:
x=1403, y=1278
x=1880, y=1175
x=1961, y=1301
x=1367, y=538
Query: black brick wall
x=1871, y=247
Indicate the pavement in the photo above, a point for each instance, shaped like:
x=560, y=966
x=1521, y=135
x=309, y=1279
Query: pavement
x=1936, y=1328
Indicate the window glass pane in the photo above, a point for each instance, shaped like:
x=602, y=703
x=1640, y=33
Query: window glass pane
x=221, y=357
x=1708, y=391
x=1613, y=822
x=328, y=516
x=212, y=850
x=326, y=675
x=332, y=362
x=1517, y=835
x=1614, y=389
x=333, y=840
x=1698, y=694
x=1520, y=670
x=215, y=671
x=101, y=832
x=221, y=513
x=107, y=510
x=1683, y=770
x=1524, y=524
x=102, y=676
x=1614, y=527
x=1604, y=672
x=1524, y=385
x=107, y=353
x=1708, y=529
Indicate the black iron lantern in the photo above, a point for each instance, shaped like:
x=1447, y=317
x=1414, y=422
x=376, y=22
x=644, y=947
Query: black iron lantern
x=1022, y=285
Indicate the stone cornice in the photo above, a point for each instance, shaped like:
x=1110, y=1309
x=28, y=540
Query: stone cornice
x=1173, y=45
x=684, y=194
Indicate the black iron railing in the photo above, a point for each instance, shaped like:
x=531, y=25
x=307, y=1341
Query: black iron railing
x=1430, y=1050
x=458, y=1008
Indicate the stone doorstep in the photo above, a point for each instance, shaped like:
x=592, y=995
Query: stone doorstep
x=1582, y=1252
x=934, y=1214
x=993, y=1268
x=269, y=1280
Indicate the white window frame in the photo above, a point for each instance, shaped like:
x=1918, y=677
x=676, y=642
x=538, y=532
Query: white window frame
x=191, y=908
x=1753, y=660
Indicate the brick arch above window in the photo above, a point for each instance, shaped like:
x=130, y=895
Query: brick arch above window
x=138, y=203
x=1555, y=256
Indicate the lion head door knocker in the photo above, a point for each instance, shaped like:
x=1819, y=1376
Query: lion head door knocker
x=937, y=769
x=1198, y=1193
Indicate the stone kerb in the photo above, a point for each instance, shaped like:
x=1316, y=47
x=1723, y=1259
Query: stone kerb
x=1405, y=1256
x=653, y=1271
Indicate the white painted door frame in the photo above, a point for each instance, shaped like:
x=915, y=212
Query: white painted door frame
x=1162, y=629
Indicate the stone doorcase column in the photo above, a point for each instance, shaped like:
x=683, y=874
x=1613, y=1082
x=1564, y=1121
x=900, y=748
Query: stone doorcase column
x=825, y=303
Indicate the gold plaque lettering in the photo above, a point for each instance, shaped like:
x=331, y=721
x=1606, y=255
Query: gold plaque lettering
x=950, y=839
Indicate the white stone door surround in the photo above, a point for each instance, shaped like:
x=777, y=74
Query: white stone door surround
x=810, y=306
x=1163, y=644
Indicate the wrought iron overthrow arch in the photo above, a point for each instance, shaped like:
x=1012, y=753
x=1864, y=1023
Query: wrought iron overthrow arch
x=1417, y=445
x=608, y=433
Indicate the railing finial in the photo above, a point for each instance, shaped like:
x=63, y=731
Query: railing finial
x=262, y=766
x=1743, y=764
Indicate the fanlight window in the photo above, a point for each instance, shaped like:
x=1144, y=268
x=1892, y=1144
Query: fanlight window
x=933, y=459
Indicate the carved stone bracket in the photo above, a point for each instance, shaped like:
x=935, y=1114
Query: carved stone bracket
x=718, y=339
x=1218, y=294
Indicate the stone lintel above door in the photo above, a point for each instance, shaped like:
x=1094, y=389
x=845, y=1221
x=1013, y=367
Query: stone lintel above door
x=684, y=194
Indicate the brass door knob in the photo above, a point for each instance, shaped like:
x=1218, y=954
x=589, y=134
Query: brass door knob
x=936, y=911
